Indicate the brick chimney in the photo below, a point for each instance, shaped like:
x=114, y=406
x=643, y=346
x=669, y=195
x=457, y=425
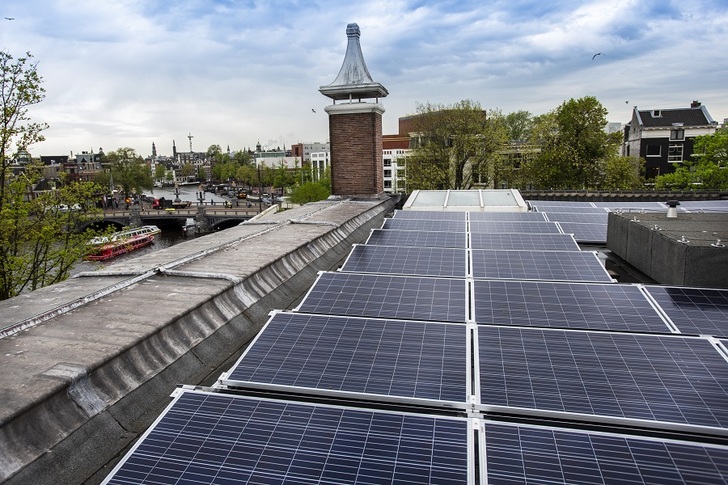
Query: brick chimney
x=355, y=126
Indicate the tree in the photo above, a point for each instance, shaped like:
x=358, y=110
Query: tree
x=455, y=146
x=574, y=145
x=622, y=173
x=130, y=172
x=187, y=170
x=39, y=241
x=310, y=192
x=707, y=169
x=518, y=125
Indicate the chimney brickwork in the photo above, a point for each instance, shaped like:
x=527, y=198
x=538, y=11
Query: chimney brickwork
x=356, y=153
x=355, y=126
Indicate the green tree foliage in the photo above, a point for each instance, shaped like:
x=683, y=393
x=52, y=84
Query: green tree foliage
x=38, y=241
x=518, y=125
x=456, y=145
x=160, y=171
x=130, y=172
x=310, y=192
x=622, y=173
x=574, y=145
x=708, y=169
x=187, y=170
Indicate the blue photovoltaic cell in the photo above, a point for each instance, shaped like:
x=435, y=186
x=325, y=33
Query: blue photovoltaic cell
x=431, y=215
x=207, y=438
x=380, y=296
x=704, y=205
x=522, y=241
x=407, y=261
x=424, y=225
x=632, y=206
x=530, y=454
x=566, y=305
x=695, y=311
x=587, y=218
x=669, y=379
x=561, y=204
x=517, y=226
x=507, y=216
x=596, y=233
x=421, y=239
x=539, y=265
x=423, y=360
x=569, y=209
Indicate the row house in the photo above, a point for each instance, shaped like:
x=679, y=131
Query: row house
x=664, y=137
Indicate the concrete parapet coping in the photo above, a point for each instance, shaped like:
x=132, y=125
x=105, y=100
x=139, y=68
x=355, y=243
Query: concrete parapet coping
x=81, y=385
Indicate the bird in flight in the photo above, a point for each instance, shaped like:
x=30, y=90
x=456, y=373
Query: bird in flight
x=9, y=18
x=313, y=110
x=597, y=54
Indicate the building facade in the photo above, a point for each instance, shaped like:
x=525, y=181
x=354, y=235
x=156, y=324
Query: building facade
x=664, y=137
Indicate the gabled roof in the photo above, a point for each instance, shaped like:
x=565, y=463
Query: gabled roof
x=659, y=118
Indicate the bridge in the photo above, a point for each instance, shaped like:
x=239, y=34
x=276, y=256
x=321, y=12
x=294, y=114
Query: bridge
x=207, y=218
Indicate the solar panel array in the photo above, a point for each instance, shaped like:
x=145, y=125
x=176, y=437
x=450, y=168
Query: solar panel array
x=463, y=348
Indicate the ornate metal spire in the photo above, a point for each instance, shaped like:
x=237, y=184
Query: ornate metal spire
x=354, y=80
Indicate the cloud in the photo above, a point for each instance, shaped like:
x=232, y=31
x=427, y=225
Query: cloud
x=233, y=72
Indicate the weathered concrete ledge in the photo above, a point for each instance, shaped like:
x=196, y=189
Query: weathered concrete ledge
x=78, y=386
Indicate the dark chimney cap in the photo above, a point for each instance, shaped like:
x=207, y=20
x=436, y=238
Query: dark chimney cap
x=672, y=203
x=695, y=104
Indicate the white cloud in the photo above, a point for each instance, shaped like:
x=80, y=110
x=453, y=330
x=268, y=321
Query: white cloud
x=127, y=73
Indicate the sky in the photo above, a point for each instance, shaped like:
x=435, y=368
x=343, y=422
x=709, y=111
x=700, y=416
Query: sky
x=126, y=73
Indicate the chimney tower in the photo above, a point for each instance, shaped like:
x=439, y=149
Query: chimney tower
x=355, y=126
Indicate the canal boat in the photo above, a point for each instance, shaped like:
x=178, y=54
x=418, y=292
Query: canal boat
x=122, y=242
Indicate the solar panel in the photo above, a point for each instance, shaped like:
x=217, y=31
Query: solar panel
x=515, y=241
x=507, y=216
x=694, y=311
x=424, y=225
x=561, y=204
x=539, y=265
x=407, y=261
x=671, y=379
x=430, y=215
x=588, y=218
x=516, y=226
x=705, y=205
x=566, y=305
x=632, y=206
x=422, y=360
x=530, y=454
x=593, y=233
x=569, y=209
x=381, y=296
x=421, y=239
x=207, y=438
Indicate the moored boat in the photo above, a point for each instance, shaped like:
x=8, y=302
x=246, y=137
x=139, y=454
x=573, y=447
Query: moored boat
x=121, y=242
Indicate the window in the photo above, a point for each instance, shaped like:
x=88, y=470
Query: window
x=653, y=151
x=656, y=113
x=387, y=162
x=387, y=184
x=675, y=153
x=677, y=134
x=387, y=173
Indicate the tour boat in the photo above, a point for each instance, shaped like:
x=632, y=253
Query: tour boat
x=121, y=242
